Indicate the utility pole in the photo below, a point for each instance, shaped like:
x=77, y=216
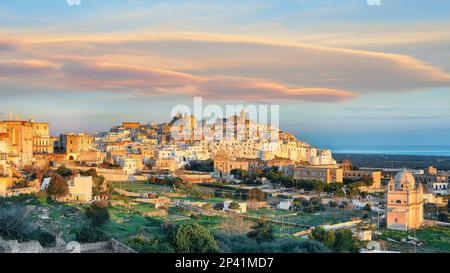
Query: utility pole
x=378, y=219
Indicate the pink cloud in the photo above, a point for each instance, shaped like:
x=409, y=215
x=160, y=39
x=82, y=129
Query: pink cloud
x=144, y=81
x=259, y=90
x=27, y=68
x=85, y=75
x=8, y=45
x=294, y=64
x=121, y=77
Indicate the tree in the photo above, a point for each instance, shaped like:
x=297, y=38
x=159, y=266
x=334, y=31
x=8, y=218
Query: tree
x=97, y=213
x=344, y=241
x=64, y=172
x=58, y=186
x=89, y=234
x=179, y=184
x=201, y=166
x=207, y=206
x=257, y=172
x=319, y=186
x=262, y=231
x=192, y=238
x=98, y=182
x=341, y=240
x=240, y=174
x=91, y=172
x=234, y=205
x=367, y=180
x=149, y=245
x=321, y=235
x=22, y=183
x=443, y=216
x=256, y=194
x=352, y=190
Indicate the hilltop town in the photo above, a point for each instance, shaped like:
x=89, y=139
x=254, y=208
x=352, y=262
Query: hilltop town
x=231, y=185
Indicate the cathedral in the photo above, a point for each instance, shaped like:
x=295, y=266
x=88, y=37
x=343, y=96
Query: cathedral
x=404, y=202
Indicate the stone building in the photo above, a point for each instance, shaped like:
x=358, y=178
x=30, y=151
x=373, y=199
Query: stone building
x=80, y=189
x=223, y=165
x=42, y=143
x=328, y=174
x=360, y=174
x=3, y=186
x=74, y=144
x=20, y=141
x=4, y=150
x=131, y=125
x=404, y=202
x=166, y=164
x=435, y=182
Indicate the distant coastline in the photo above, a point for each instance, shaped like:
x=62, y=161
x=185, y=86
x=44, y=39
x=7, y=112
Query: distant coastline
x=393, y=150
x=441, y=162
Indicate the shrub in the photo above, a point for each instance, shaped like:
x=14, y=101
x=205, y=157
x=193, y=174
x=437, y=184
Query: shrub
x=89, y=234
x=341, y=240
x=15, y=225
x=234, y=243
x=262, y=231
x=64, y=172
x=57, y=186
x=149, y=245
x=97, y=213
x=256, y=194
x=191, y=238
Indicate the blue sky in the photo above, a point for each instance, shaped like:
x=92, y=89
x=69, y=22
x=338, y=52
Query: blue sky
x=343, y=72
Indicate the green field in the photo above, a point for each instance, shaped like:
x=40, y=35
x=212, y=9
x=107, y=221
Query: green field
x=142, y=187
x=61, y=218
x=329, y=216
x=125, y=224
x=437, y=239
x=204, y=200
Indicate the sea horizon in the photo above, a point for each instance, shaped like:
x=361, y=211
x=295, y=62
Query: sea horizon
x=413, y=150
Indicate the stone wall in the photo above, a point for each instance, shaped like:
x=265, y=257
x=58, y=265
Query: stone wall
x=118, y=247
x=112, y=246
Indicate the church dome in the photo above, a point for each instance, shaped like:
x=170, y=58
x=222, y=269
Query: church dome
x=404, y=177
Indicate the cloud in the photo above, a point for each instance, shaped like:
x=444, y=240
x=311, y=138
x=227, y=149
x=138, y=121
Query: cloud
x=143, y=81
x=292, y=64
x=122, y=78
x=221, y=67
x=260, y=90
x=27, y=68
x=8, y=45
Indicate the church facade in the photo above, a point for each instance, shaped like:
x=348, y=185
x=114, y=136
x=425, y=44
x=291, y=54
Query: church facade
x=404, y=203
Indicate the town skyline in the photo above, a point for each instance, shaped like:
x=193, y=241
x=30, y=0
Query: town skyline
x=232, y=130
x=336, y=80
